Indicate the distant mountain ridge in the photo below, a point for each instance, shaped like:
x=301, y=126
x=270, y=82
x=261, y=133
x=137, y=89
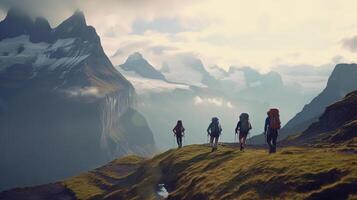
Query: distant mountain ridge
x=342, y=81
x=64, y=108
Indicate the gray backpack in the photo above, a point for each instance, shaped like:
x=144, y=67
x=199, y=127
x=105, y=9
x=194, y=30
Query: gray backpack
x=244, y=122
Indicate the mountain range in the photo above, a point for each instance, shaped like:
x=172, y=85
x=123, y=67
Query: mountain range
x=184, y=89
x=64, y=108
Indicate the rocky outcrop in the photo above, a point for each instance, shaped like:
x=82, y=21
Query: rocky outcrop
x=338, y=124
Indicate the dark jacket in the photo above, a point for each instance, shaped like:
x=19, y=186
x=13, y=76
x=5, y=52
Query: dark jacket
x=179, y=131
x=211, y=129
x=238, y=127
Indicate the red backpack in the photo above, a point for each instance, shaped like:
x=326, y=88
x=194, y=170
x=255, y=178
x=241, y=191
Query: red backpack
x=274, y=119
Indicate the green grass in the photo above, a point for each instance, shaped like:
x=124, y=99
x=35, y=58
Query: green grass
x=193, y=172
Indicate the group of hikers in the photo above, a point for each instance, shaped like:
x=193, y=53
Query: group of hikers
x=214, y=130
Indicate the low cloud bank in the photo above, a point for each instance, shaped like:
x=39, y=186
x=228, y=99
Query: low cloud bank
x=212, y=101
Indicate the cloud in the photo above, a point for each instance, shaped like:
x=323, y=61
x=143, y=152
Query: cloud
x=258, y=36
x=209, y=101
x=164, y=25
x=350, y=44
x=84, y=92
x=229, y=104
x=311, y=78
x=161, y=49
x=236, y=80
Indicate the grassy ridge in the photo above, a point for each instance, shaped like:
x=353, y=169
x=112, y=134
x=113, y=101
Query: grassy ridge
x=193, y=172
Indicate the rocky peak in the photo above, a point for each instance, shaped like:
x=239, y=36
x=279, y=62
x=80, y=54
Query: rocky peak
x=343, y=78
x=42, y=31
x=135, y=57
x=75, y=26
x=137, y=63
x=17, y=22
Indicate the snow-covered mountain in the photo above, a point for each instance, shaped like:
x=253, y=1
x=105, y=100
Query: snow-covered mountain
x=136, y=63
x=187, y=69
x=145, y=77
x=64, y=108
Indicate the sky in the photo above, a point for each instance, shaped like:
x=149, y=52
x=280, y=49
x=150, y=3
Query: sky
x=267, y=35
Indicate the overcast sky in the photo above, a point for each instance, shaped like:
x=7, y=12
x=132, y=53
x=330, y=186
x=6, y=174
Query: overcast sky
x=259, y=33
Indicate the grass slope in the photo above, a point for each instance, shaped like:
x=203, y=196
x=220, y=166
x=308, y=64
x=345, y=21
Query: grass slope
x=193, y=172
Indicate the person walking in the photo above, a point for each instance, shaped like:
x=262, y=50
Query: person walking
x=214, y=130
x=271, y=128
x=243, y=127
x=179, y=132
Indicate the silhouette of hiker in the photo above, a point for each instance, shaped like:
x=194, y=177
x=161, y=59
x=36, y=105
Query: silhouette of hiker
x=214, y=131
x=179, y=132
x=243, y=126
x=271, y=127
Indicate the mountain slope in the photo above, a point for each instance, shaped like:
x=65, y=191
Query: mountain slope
x=63, y=106
x=193, y=172
x=342, y=81
x=338, y=124
x=136, y=63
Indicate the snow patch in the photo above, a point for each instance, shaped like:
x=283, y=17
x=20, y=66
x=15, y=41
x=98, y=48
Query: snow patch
x=145, y=85
x=20, y=50
x=10, y=53
x=69, y=62
x=62, y=43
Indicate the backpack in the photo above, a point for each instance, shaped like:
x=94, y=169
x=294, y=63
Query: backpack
x=274, y=120
x=215, y=128
x=244, y=122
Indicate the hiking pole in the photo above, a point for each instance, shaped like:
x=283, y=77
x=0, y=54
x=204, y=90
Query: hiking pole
x=174, y=141
x=266, y=142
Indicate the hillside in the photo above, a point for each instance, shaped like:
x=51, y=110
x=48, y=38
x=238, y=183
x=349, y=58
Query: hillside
x=323, y=166
x=193, y=172
x=338, y=124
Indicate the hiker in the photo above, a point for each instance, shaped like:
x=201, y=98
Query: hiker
x=271, y=127
x=243, y=126
x=179, y=132
x=214, y=131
